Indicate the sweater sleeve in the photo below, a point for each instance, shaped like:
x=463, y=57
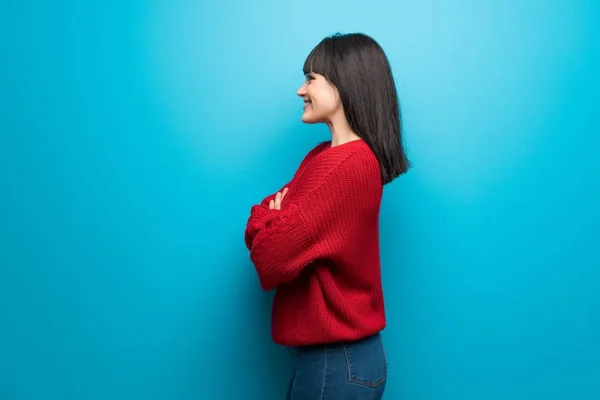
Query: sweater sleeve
x=315, y=226
x=260, y=212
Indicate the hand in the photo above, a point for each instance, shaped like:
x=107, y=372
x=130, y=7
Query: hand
x=276, y=203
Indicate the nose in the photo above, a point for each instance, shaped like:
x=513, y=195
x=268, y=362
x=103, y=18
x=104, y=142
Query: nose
x=302, y=90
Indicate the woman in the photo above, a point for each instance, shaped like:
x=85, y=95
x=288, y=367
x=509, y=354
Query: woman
x=316, y=240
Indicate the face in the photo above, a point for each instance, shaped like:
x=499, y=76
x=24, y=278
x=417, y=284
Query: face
x=321, y=99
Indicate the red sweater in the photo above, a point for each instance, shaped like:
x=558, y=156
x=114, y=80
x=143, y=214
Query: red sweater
x=321, y=250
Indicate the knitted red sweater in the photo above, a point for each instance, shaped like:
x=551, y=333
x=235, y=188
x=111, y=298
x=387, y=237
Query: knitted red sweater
x=321, y=250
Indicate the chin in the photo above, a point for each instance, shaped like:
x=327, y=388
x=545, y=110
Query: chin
x=307, y=119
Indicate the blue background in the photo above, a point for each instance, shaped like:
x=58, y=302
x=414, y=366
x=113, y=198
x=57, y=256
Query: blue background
x=136, y=135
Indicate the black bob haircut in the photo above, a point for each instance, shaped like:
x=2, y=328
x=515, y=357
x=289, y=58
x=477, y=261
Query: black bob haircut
x=357, y=66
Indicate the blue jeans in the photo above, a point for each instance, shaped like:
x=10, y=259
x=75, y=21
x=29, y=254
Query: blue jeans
x=341, y=371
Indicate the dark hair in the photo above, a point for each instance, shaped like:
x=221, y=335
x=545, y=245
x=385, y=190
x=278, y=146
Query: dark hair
x=357, y=66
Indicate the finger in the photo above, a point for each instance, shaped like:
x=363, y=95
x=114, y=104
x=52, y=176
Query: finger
x=278, y=201
x=282, y=196
x=272, y=204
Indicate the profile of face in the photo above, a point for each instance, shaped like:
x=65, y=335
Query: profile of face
x=322, y=102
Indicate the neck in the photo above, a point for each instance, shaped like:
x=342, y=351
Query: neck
x=341, y=132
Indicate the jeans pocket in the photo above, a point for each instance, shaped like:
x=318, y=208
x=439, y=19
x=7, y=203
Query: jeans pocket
x=367, y=361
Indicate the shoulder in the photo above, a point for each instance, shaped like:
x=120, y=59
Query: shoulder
x=348, y=155
x=350, y=163
x=363, y=159
x=345, y=178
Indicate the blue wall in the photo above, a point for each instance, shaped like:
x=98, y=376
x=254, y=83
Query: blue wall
x=136, y=135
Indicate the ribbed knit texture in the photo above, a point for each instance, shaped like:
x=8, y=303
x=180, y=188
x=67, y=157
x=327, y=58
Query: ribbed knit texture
x=321, y=250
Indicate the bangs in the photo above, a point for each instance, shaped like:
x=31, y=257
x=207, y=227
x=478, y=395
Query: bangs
x=319, y=61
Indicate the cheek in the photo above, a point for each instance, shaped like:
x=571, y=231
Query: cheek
x=330, y=103
x=326, y=100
